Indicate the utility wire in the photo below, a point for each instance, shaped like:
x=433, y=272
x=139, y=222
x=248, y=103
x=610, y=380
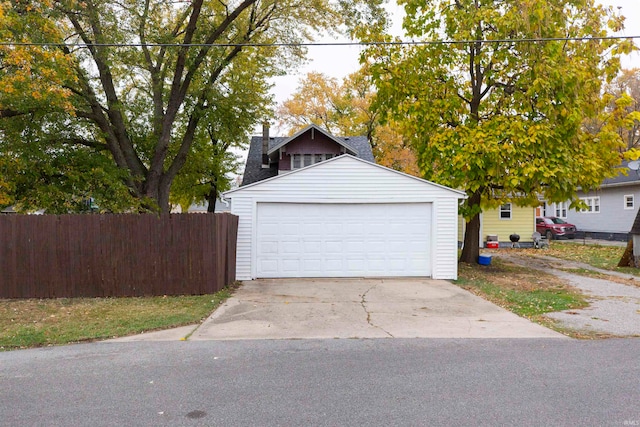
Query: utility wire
x=320, y=44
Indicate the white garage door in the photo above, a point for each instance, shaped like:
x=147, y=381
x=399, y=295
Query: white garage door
x=343, y=240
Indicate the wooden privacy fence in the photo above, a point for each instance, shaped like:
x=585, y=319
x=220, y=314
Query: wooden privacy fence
x=52, y=256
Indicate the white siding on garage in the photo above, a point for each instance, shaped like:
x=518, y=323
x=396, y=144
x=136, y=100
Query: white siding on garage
x=243, y=207
x=346, y=179
x=341, y=177
x=445, y=220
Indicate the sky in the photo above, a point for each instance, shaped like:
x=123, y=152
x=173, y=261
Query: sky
x=339, y=61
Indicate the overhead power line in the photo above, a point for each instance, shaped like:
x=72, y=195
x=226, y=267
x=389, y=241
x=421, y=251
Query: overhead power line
x=320, y=44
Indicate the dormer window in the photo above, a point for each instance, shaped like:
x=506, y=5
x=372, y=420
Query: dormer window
x=302, y=160
x=308, y=159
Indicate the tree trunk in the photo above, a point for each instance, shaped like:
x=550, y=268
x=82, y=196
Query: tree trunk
x=471, y=248
x=164, y=188
x=211, y=199
x=628, y=259
x=627, y=256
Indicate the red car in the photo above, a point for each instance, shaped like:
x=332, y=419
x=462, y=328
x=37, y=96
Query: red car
x=555, y=228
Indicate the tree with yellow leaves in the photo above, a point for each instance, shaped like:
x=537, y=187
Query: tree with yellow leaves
x=627, y=86
x=495, y=99
x=344, y=108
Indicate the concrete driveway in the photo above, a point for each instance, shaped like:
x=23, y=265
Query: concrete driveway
x=361, y=308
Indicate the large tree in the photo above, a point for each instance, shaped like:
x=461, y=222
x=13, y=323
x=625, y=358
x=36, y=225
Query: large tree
x=111, y=99
x=345, y=108
x=495, y=99
x=628, y=84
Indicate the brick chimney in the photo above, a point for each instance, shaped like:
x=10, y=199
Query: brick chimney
x=265, y=145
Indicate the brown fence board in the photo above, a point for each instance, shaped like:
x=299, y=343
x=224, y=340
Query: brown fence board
x=53, y=256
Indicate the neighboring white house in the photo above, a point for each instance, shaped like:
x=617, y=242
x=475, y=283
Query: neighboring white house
x=346, y=217
x=610, y=211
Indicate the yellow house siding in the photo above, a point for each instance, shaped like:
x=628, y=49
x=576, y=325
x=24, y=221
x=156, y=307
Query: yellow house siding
x=522, y=222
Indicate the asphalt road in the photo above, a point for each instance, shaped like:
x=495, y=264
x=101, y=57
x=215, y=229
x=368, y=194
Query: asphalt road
x=324, y=382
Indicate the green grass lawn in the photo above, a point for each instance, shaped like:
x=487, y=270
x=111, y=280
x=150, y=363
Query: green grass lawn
x=42, y=322
x=599, y=256
x=606, y=257
x=528, y=293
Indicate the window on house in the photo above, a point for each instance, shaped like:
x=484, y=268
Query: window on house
x=560, y=209
x=505, y=211
x=301, y=160
x=593, y=204
x=628, y=201
x=296, y=161
x=308, y=159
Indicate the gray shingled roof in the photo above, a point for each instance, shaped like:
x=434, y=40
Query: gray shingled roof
x=632, y=177
x=253, y=171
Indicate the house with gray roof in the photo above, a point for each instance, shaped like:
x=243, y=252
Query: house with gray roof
x=271, y=156
x=611, y=209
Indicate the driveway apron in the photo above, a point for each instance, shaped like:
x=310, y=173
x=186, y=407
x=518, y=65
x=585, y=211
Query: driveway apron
x=361, y=308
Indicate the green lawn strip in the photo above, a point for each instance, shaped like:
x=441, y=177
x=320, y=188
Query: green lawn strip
x=605, y=257
x=525, y=292
x=585, y=272
x=526, y=303
x=36, y=323
x=581, y=334
x=602, y=276
x=629, y=270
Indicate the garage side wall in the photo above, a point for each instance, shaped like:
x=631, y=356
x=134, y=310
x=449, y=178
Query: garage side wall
x=445, y=226
x=244, y=206
x=349, y=180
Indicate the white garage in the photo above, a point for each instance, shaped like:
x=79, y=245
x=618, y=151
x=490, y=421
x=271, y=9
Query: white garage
x=346, y=217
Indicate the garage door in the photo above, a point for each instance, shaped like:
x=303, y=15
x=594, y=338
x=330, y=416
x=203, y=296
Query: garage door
x=343, y=240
